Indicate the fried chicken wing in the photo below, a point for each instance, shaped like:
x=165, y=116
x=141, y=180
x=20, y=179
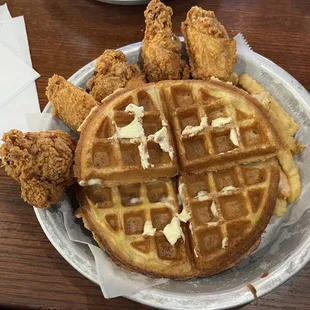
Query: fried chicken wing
x=112, y=72
x=69, y=103
x=161, y=48
x=211, y=52
x=41, y=161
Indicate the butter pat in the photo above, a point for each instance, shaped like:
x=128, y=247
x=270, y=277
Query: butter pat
x=214, y=210
x=180, y=188
x=148, y=229
x=221, y=121
x=184, y=216
x=228, y=188
x=90, y=182
x=135, y=128
x=134, y=201
x=224, y=243
x=173, y=231
x=144, y=154
x=137, y=111
x=234, y=137
x=193, y=130
x=161, y=137
x=202, y=195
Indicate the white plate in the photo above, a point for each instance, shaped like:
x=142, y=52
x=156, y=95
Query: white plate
x=286, y=256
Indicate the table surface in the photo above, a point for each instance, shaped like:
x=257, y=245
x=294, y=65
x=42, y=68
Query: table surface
x=64, y=36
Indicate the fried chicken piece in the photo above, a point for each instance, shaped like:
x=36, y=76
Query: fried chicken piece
x=69, y=103
x=161, y=48
x=41, y=161
x=211, y=52
x=103, y=85
x=111, y=73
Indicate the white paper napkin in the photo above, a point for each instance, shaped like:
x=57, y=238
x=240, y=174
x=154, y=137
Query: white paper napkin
x=15, y=74
x=4, y=12
x=14, y=36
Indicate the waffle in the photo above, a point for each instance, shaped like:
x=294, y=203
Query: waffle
x=229, y=210
x=121, y=144
x=214, y=126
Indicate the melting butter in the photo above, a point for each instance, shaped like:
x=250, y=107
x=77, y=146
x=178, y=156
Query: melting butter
x=224, y=243
x=234, y=137
x=221, y=121
x=161, y=137
x=184, y=216
x=173, y=231
x=135, y=130
x=144, y=154
x=228, y=188
x=214, y=210
x=202, y=195
x=90, y=182
x=193, y=130
x=148, y=229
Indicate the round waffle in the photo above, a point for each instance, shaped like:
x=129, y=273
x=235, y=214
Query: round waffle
x=219, y=141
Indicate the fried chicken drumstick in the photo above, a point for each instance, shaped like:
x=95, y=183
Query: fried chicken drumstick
x=41, y=162
x=211, y=52
x=161, y=48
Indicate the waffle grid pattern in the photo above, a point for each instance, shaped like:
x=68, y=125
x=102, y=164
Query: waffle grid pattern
x=188, y=105
x=126, y=147
x=116, y=160
x=125, y=209
x=239, y=206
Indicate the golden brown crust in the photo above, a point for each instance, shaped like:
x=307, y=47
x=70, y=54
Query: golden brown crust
x=111, y=73
x=69, y=103
x=161, y=48
x=42, y=162
x=211, y=52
